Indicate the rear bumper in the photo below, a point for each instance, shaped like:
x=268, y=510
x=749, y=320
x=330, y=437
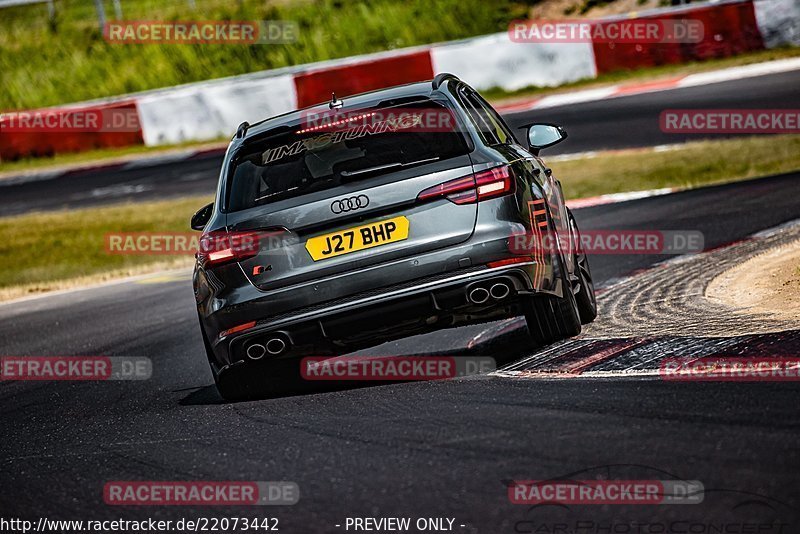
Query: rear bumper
x=414, y=294
x=375, y=317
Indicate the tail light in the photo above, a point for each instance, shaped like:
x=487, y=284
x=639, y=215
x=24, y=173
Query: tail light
x=483, y=185
x=235, y=329
x=219, y=248
x=508, y=261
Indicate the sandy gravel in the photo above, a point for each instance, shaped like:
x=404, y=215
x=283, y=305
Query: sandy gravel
x=767, y=283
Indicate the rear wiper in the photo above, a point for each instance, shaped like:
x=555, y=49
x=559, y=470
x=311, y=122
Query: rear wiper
x=370, y=170
x=385, y=167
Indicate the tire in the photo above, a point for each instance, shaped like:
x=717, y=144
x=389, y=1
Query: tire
x=248, y=382
x=233, y=384
x=584, y=294
x=552, y=319
x=238, y=385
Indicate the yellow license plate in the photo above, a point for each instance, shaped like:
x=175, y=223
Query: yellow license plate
x=358, y=238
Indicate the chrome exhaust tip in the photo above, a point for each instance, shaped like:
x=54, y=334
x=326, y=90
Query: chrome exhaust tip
x=275, y=346
x=478, y=295
x=256, y=351
x=500, y=291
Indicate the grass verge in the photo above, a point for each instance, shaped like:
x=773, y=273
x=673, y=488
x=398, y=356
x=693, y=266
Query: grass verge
x=46, y=251
x=690, y=165
x=47, y=63
x=36, y=52
x=43, y=252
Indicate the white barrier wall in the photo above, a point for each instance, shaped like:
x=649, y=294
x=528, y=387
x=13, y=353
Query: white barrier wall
x=778, y=21
x=212, y=110
x=496, y=61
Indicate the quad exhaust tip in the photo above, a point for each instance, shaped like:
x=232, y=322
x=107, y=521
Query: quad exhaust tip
x=479, y=295
x=275, y=346
x=499, y=291
x=256, y=351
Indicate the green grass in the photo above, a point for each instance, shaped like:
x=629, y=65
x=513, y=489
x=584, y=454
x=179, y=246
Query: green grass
x=40, y=252
x=697, y=163
x=46, y=64
x=38, y=249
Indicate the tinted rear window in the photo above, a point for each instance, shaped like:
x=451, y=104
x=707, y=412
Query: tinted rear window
x=302, y=162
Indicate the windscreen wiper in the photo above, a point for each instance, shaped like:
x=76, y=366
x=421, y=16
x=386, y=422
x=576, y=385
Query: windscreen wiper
x=385, y=167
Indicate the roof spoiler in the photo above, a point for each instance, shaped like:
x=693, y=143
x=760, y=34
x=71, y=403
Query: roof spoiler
x=242, y=129
x=440, y=79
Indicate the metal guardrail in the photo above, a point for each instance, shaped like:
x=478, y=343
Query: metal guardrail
x=98, y=6
x=12, y=3
x=51, y=8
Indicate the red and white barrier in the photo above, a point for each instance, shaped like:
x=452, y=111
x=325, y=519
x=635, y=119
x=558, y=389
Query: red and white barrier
x=210, y=110
x=778, y=22
x=496, y=61
x=46, y=132
x=730, y=28
x=315, y=85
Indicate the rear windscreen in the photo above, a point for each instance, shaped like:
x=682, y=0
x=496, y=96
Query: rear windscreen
x=325, y=152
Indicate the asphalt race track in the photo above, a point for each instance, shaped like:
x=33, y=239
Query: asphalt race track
x=434, y=449
x=630, y=121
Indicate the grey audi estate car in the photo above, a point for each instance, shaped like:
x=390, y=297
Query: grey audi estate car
x=378, y=216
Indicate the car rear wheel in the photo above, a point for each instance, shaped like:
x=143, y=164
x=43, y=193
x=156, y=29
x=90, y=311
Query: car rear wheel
x=233, y=384
x=584, y=293
x=552, y=319
x=248, y=382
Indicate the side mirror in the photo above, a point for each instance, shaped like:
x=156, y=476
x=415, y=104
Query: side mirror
x=201, y=218
x=544, y=135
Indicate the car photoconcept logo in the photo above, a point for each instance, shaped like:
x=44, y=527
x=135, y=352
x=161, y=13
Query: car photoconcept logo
x=349, y=204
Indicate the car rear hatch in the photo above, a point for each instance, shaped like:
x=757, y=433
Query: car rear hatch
x=328, y=203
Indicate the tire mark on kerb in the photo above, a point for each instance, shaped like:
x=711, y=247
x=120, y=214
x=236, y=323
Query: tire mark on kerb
x=583, y=364
x=663, y=312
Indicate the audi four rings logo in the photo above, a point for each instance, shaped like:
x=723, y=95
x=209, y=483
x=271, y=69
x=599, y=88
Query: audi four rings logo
x=349, y=204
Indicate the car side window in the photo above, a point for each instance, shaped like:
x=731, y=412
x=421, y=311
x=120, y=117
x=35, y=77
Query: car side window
x=503, y=132
x=489, y=123
x=481, y=120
